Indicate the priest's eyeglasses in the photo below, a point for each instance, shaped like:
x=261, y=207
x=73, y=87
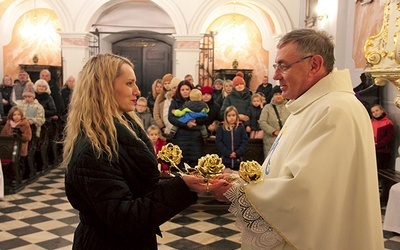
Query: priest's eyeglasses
x=284, y=67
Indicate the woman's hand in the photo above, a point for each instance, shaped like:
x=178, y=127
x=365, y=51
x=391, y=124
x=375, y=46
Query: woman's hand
x=201, y=185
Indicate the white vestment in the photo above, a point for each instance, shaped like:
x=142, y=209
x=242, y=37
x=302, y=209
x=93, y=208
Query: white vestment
x=321, y=188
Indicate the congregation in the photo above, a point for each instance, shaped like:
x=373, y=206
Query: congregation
x=38, y=111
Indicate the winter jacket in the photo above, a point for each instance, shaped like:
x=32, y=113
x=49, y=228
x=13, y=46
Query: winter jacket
x=48, y=105
x=241, y=100
x=121, y=203
x=159, y=144
x=6, y=94
x=66, y=98
x=269, y=122
x=383, y=134
x=235, y=140
x=26, y=134
x=146, y=118
x=33, y=111
x=254, y=115
x=188, y=139
x=56, y=95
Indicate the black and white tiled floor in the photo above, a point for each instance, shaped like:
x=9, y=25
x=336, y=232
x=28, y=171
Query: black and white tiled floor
x=40, y=217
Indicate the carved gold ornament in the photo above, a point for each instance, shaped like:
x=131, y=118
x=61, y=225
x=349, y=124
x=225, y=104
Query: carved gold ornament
x=171, y=154
x=210, y=166
x=250, y=171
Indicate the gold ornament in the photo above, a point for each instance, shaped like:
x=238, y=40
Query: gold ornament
x=210, y=166
x=250, y=171
x=171, y=154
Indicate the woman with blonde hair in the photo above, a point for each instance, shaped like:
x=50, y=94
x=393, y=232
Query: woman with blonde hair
x=112, y=176
x=156, y=89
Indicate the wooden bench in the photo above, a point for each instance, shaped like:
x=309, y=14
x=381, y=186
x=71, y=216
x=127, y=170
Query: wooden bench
x=389, y=177
x=10, y=148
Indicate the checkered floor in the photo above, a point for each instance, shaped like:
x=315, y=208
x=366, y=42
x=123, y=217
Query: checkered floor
x=40, y=217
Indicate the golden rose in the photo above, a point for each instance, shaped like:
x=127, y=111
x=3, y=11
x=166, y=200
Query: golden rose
x=250, y=171
x=170, y=153
x=210, y=166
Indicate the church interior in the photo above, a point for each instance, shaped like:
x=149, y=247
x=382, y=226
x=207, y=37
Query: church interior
x=206, y=39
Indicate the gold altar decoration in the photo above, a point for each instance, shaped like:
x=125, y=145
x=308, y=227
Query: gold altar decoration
x=382, y=51
x=250, y=171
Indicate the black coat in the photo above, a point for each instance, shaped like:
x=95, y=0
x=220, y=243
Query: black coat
x=254, y=114
x=6, y=94
x=48, y=105
x=122, y=203
x=56, y=95
x=188, y=139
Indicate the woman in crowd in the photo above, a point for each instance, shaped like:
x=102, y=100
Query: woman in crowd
x=167, y=103
x=159, y=103
x=188, y=137
x=66, y=92
x=240, y=97
x=112, y=177
x=272, y=118
x=156, y=89
x=383, y=135
x=6, y=90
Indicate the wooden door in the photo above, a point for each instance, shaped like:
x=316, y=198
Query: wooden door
x=152, y=59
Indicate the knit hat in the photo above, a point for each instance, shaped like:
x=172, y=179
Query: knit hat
x=276, y=89
x=167, y=78
x=174, y=82
x=207, y=90
x=29, y=90
x=238, y=79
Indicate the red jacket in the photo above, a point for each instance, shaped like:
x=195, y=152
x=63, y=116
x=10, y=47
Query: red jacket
x=383, y=134
x=159, y=144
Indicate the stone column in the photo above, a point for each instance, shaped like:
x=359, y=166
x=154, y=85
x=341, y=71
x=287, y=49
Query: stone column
x=75, y=52
x=186, y=53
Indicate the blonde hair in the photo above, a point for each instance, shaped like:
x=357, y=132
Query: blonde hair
x=153, y=128
x=227, y=110
x=42, y=83
x=94, y=91
x=154, y=86
x=256, y=95
x=229, y=82
x=195, y=95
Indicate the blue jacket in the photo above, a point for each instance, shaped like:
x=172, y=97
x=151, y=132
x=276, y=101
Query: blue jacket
x=231, y=141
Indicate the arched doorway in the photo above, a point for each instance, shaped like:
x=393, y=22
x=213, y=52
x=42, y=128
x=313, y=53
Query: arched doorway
x=152, y=59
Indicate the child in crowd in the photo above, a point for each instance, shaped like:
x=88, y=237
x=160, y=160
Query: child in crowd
x=143, y=112
x=168, y=99
x=31, y=108
x=254, y=112
x=227, y=89
x=217, y=91
x=154, y=134
x=383, y=135
x=17, y=123
x=195, y=108
x=231, y=139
